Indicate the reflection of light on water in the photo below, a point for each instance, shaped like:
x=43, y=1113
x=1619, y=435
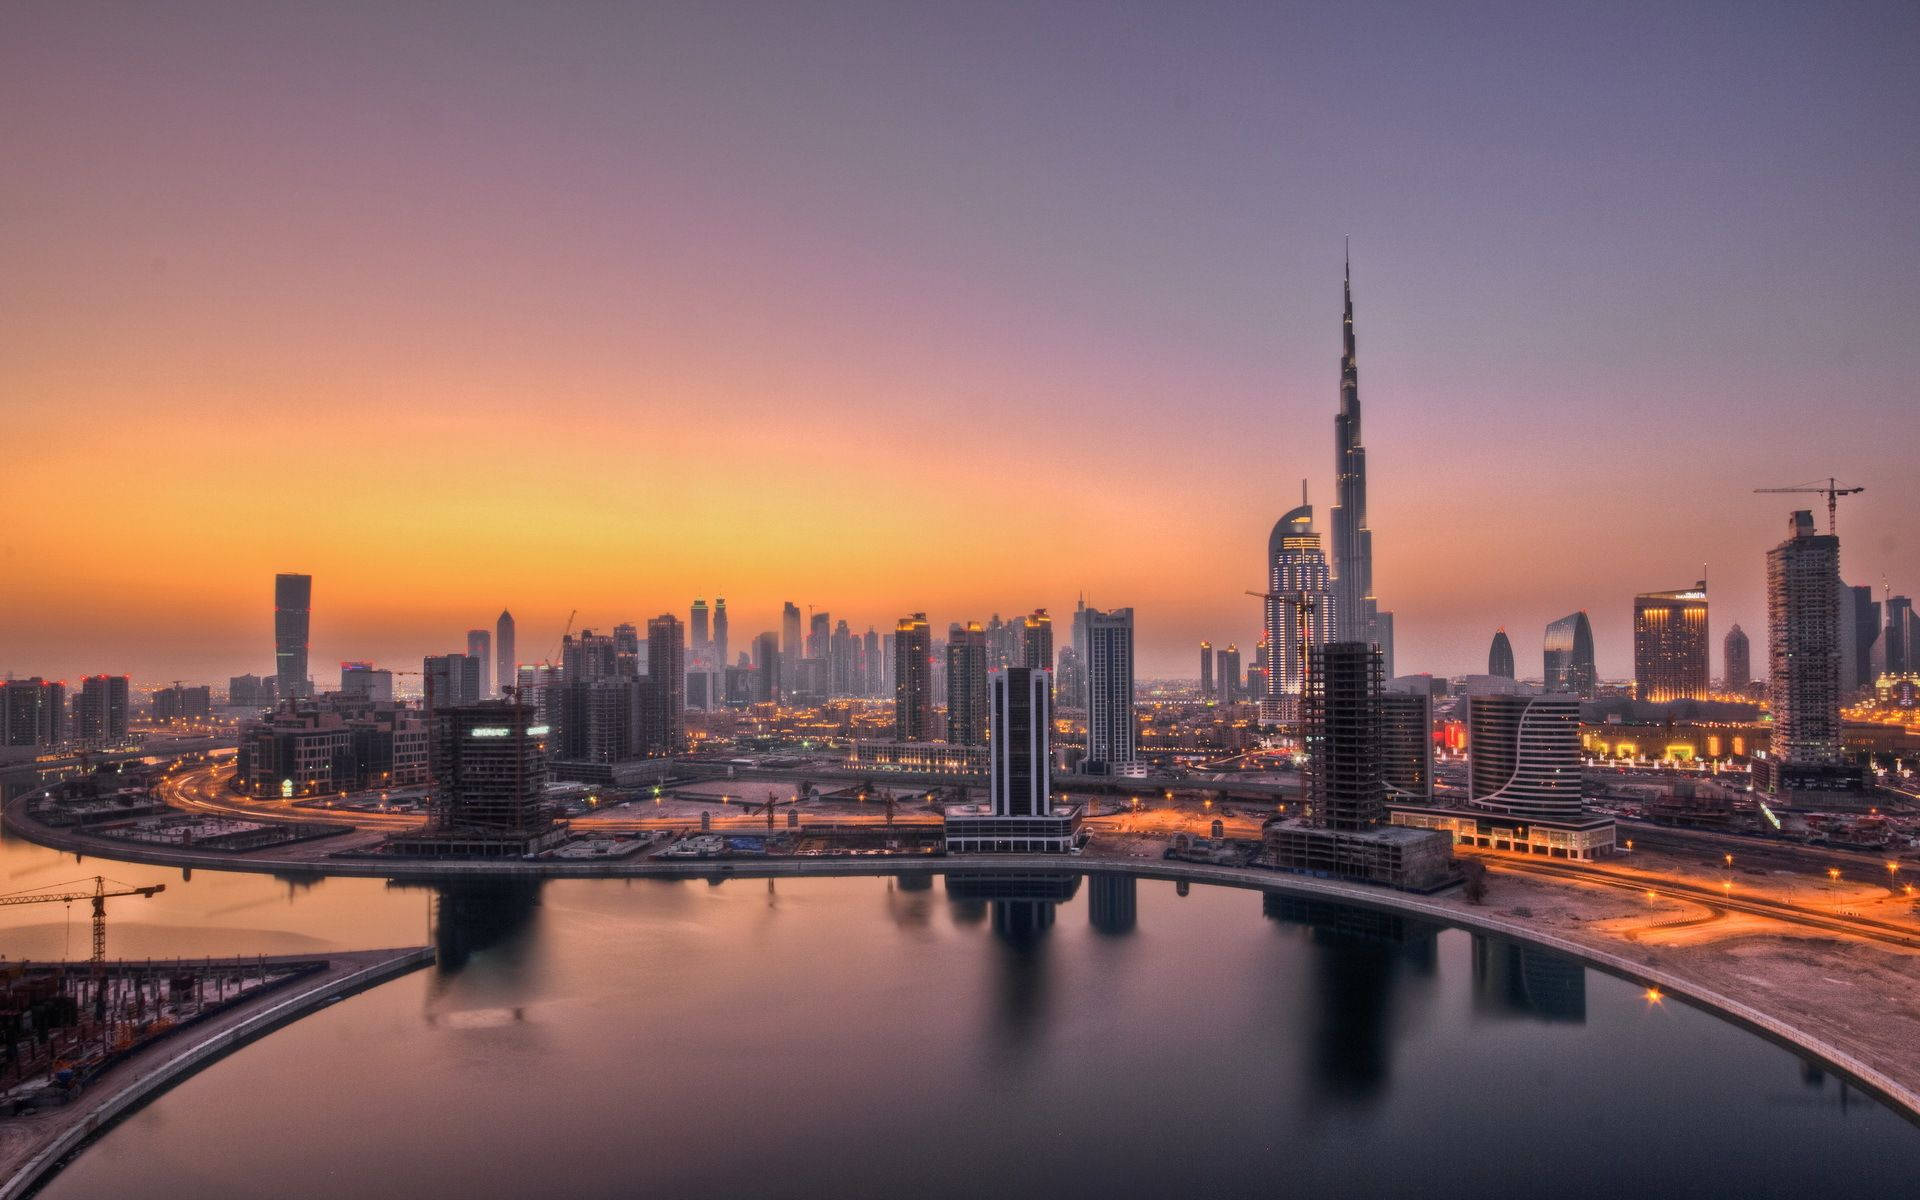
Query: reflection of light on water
x=477, y=1018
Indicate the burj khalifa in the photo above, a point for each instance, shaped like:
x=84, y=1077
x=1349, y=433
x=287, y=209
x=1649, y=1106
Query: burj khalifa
x=1356, y=612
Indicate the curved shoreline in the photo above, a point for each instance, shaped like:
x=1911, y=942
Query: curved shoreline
x=89, y=1117
x=1903, y=1096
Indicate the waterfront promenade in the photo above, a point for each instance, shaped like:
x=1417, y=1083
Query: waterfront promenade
x=34, y=1146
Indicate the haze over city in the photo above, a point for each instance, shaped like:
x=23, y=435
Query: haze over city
x=886, y=309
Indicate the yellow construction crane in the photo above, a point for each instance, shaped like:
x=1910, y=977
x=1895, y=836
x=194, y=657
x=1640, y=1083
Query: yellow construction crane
x=99, y=895
x=1833, y=491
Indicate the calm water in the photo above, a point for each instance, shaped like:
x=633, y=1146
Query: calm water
x=870, y=1037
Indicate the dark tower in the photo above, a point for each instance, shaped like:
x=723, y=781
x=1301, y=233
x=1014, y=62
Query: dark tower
x=1354, y=606
x=1500, y=657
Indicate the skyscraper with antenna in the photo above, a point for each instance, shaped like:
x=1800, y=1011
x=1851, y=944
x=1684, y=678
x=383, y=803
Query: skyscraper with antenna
x=1356, y=613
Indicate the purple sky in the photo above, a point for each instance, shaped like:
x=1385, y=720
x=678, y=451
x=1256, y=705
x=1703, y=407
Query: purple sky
x=287, y=275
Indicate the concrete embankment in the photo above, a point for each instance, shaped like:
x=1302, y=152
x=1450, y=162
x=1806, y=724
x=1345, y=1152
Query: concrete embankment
x=34, y=1147
x=1892, y=1076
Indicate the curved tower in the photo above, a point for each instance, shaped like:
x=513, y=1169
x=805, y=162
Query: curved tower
x=1567, y=655
x=1297, y=577
x=1500, y=656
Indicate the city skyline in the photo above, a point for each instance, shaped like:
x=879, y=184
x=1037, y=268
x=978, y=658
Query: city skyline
x=1165, y=260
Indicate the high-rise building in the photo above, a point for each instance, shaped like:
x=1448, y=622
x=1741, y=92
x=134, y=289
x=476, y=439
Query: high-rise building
x=666, y=688
x=1036, y=640
x=720, y=631
x=843, y=655
x=790, y=650
x=1206, y=670
x=889, y=664
x=1078, y=639
x=489, y=765
x=1671, y=660
x=1859, y=630
x=1900, y=656
x=1020, y=816
x=1340, y=718
x=1803, y=616
x=506, y=668
x=700, y=635
x=450, y=679
x=251, y=691
x=627, y=660
x=1354, y=605
x=767, y=661
x=1524, y=755
x=872, y=661
x=182, y=703
x=1300, y=600
x=1231, y=687
x=1737, y=660
x=819, y=636
x=292, y=615
x=1406, y=745
x=366, y=681
x=967, y=684
x=100, y=711
x=1070, y=679
x=480, y=649
x=913, y=679
x=1500, y=655
x=1568, y=656
x=1110, y=723
x=33, y=712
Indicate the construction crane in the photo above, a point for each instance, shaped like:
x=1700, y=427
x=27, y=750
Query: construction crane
x=1303, y=603
x=772, y=803
x=1833, y=491
x=561, y=644
x=99, y=895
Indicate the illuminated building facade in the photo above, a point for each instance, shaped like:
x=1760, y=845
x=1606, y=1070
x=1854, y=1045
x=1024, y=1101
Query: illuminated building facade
x=1036, y=641
x=292, y=616
x=913, y=679
x=1020, y=816
x=1301, y=592
x=1110, y=723
x=1567, y=656
x=967, y=684
x=1670, y=647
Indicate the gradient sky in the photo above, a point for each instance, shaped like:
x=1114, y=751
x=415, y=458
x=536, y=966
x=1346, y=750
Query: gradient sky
x=963, y=308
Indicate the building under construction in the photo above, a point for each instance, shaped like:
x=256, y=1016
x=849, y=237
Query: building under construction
x=489, y=779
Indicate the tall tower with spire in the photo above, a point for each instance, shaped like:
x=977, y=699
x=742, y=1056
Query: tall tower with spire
x=1356, y=613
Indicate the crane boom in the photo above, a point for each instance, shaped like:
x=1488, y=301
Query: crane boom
x=99, y=896
x=1832, y=491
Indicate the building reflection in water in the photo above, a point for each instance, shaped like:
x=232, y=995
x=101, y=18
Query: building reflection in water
x=1511, y=979
x=490, y=916
x=1021, y=904
x=1112, y=904
x=1362, y=960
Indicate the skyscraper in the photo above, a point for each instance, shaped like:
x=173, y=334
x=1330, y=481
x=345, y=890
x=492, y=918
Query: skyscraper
x=1300, y=595
x=1036, y=640
x=1354, y=605
x=767, y=661
x=450, y=679
x=480, y=649
x=101, y=709
x=1500, y=655
x=1670, y=656
x=1737, y=659
x=1231, y=688
x=1568, y=656
x=874, y=663
x=967, y=684
x=1524, y=755
x=1859, y=630
x=292, y=614
x=1206, y=669
x=1406, y=745
x=1020, y=816
x=506, y=668
x=1340, y=718
x=33, y=712
x=912, y=679
x=666, y=706
x=1803, y=616
x=1900, y=656
x=720, y=631
x=627, y=662
x=700, y=652
x=489, y=763
x=790, y=650
x=1110, y=725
